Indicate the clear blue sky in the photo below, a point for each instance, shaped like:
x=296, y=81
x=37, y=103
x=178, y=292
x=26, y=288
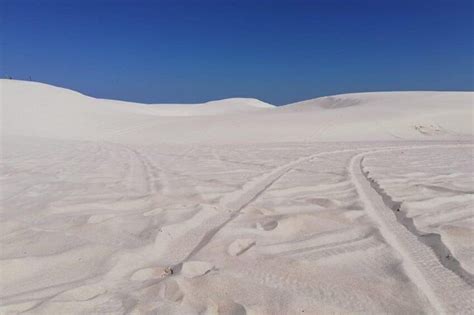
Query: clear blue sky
x=277, y=51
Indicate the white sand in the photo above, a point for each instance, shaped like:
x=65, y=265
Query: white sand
x=356, y=203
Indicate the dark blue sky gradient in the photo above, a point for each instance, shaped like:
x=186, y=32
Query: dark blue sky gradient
x=277, y=51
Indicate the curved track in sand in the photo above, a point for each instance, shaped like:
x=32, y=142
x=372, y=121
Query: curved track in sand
x=446, y=291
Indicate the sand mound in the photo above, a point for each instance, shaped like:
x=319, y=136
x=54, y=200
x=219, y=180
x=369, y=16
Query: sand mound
x=42, y=110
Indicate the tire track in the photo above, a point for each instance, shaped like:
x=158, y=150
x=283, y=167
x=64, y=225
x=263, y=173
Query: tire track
x=198, y=236
x=432, y=240
x=447, y=292
x=230, y=207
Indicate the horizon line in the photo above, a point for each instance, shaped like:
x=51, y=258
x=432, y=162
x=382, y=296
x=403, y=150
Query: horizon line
x=230, y=97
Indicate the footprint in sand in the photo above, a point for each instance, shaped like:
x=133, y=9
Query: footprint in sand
x=267, y=225
x=148, y=274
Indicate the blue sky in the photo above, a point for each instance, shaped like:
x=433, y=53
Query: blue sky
x=277, y=51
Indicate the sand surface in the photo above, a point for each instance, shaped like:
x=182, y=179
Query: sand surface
x=357, y=203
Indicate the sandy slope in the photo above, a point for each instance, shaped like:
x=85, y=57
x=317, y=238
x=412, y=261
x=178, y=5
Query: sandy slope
x=236, y=206
x=42, y=110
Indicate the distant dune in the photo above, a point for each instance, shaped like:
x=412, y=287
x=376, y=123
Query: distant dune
x=39, y=109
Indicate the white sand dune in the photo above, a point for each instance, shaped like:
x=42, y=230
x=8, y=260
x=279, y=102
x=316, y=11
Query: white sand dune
x=355, y=203
x=41, y=110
